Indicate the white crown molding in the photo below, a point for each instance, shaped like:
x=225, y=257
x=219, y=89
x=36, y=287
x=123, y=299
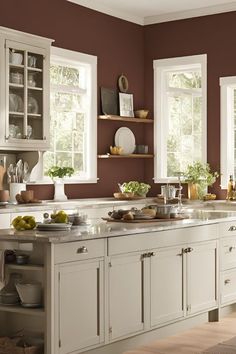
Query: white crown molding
x=172, y=16
x=203, y=11
x=109, y=11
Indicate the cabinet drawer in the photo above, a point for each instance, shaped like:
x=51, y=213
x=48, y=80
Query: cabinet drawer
x=76, y=251
x=228, y=287
x=228, y=228
x=228, y=253
x=149, y=240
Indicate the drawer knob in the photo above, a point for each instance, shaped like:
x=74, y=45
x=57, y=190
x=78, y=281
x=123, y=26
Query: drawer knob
x=232, y=228
x=82, y=250
x=231, y=248
x=227, y=281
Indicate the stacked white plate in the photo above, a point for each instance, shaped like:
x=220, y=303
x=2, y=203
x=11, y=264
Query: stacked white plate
x=54, y=227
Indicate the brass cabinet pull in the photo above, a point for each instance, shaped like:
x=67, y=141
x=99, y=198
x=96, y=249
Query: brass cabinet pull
x=82, y=250
x=232, y=228
x=227, y=281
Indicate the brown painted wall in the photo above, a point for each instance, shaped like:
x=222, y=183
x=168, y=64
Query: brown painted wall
x=123, y=47
x=119, y=47
x=212, y=35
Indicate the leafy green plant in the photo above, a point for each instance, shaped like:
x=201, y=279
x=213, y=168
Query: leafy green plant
x=200, y=174
x=138, y=188
x=60, y=172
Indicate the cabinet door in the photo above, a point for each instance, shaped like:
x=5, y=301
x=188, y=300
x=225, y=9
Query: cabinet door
x=201, y=277
x=80, y=305
x=27, y=87
x=167, y=301
x=125, y=295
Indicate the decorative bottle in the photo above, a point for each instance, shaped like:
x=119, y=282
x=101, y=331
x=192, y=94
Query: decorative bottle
x=230, y=188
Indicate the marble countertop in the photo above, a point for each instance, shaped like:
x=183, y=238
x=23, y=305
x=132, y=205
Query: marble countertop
x=100, y=229
x=73, y=204
x=94, y=203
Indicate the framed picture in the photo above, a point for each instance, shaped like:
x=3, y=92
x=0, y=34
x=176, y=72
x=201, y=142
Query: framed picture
x=126, y=105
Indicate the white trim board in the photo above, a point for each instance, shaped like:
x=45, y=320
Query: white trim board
x=166, y=17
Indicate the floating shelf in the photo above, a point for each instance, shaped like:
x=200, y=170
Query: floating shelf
x=21, y=114
x=28, y=267
x=130, y=156
x=34, y=115
x=35, y=88
x=16, y=66
x=125, y=119
x=12, y=85
x=30, y=68
x=23, y=310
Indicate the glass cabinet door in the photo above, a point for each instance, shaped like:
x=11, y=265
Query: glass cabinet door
x=25, y=92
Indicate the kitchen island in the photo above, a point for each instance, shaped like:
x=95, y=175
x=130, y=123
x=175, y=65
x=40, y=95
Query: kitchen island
x=111, y=286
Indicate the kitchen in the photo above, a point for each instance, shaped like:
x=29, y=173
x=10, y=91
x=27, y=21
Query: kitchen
x=122, y=46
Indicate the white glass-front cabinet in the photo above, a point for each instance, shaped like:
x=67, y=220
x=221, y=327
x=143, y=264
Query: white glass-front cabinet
x=25, y=85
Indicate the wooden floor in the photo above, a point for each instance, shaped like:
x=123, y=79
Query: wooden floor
x=214, y=338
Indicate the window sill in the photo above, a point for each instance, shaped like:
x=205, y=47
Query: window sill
x=72, y=181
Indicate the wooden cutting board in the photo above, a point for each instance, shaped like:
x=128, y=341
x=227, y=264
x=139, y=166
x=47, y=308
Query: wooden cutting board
x=2, y=173
x=144, y=220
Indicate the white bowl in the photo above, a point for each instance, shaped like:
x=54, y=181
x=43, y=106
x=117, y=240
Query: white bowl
x=30, y=293
x=16, y=58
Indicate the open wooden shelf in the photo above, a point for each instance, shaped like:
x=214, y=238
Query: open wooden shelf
x=125, y=119
x=33, y=267
x=23, y=310
x=130, y=156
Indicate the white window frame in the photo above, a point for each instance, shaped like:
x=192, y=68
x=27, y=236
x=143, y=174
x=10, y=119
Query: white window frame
x=227, y=85
x=161, y=66
x=59, y=55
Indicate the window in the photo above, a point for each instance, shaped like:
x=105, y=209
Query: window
x=180, y=115
x=73, y=118
x=228, y=129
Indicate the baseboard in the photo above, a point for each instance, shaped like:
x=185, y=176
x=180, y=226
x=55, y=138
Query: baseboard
x=227, y=310
x=147, y=337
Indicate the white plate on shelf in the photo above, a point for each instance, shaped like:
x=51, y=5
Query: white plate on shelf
x=125, y=138
x=23, y=304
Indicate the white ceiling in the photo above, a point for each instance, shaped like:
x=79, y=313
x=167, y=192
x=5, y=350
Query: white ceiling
x=146, y=12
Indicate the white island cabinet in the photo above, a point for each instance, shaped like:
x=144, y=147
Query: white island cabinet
x=228, y=263
x=126, y=289
x=111, y=292
x=79, y=290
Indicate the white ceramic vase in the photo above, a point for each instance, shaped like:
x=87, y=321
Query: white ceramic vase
x=59, y=191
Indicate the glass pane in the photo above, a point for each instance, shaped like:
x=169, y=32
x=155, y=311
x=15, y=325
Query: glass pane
x=63, y=75
x=64, y=159
x=184, y=136
x=185, y=80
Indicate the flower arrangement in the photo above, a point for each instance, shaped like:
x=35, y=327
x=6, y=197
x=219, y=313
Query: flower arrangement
x=60, y=172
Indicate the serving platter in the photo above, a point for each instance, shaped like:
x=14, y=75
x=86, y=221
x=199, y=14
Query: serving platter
x=125, y=138
x=135, y=197
x=143, y=220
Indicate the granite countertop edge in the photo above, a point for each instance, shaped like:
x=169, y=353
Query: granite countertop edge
x=100, y=230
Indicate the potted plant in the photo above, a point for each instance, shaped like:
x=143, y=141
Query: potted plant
x=57, y=174
x=199, y=176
